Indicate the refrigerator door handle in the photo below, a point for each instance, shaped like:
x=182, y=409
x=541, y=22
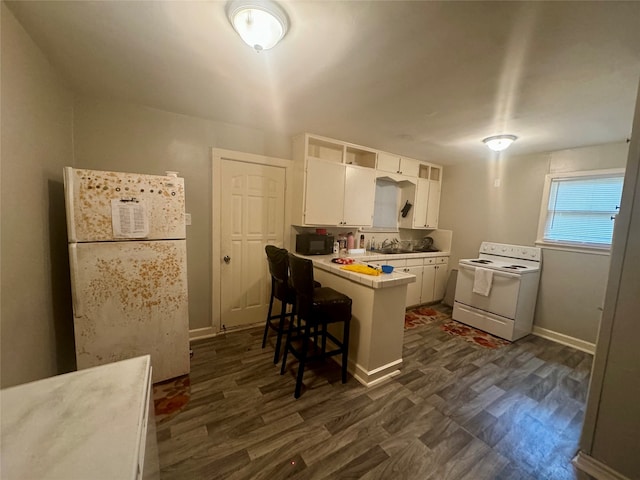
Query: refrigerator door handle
x=78, y=311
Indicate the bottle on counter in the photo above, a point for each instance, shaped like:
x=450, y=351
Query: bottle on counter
x=342, y=245
x=336, y=247
x=372, y=244
x=350, y=241
x=362, y=241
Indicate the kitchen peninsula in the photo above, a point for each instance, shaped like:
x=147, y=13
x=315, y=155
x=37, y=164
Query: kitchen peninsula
x=377, y=322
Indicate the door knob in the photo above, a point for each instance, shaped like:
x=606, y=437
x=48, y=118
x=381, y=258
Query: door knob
x=227, y=259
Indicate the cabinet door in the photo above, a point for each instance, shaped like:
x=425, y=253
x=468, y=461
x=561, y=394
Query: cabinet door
x=324, y=195
x=440, y=284
x=409, y=167
x=359, y=195
x=428, y=283
x=433, y=204
x=388, y=162
x=414, y=290
x=421, y=203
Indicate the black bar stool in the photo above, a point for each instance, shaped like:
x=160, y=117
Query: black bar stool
x=279, y=269
x=316, y=308
x=281, y=289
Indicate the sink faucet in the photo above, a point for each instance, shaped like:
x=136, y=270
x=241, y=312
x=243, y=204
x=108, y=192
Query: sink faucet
x=389, y=243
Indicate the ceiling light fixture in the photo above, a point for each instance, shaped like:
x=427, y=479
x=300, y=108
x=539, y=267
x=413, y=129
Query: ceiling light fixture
x=260, y=23
x=498, y=143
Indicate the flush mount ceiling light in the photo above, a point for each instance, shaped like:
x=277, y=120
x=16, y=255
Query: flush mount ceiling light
x=497, y=143
x=260, y=23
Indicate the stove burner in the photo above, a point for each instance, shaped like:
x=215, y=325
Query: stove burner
x=514, y=267
x=482, y=260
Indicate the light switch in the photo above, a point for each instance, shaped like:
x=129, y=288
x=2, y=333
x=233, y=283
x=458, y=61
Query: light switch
x=496, y=182
x=187, y=219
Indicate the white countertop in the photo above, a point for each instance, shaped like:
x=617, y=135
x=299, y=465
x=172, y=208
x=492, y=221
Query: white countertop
x=384, y=280
x=80, y=425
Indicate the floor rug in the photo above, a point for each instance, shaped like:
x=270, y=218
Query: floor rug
x=441, y=314
x=473, y=335
x=422, y=316
x=171, y=396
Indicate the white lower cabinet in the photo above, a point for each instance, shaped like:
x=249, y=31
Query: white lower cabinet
x=434, y=279
x=431, y=278
x=414, y=289
x=440, y=286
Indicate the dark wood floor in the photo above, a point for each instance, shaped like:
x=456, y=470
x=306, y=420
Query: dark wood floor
x=457, y=411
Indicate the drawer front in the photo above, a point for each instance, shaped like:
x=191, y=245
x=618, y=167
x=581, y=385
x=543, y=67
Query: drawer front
x=395, y=263
x=414, y=262
x=430, y=261
x=442, y=260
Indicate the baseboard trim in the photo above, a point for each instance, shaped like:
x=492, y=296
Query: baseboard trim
x=595, y=468
x=201, y=333
x=565, y=340
x=369, y=378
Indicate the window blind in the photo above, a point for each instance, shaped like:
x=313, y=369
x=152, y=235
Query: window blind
x=580, y=209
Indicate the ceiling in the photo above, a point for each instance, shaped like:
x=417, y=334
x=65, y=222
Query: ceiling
x=425, y=79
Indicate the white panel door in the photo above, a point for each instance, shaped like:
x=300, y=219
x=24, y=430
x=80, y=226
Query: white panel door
x=324, y=194
x=252, y=216
x=359, y=196
x=130, y=299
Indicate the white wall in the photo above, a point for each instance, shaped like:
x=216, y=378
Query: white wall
x=36, y=322
x=612, y=417
x=571, y=284
x=124, y=137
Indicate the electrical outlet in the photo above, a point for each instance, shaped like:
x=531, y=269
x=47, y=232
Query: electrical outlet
x=187, y=219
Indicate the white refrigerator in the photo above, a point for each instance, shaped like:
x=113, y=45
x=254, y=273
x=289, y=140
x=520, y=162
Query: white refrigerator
x=127, y=255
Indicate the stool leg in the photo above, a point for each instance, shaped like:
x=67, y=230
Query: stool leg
x=287, y=344
x=345, y=349
x=303, y=359
x=283, y=312
x=266, y=327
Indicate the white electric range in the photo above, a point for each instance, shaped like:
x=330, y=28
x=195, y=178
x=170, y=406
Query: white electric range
x=506, y=309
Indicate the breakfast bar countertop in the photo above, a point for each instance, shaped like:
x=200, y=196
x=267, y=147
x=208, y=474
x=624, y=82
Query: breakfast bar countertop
x=384, y=280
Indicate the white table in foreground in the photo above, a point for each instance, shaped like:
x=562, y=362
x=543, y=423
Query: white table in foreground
x=377, y=322
x=94, y=424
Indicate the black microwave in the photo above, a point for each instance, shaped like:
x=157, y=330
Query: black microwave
x=314, y=244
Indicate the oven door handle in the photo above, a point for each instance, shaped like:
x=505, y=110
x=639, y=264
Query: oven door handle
x=495, y=272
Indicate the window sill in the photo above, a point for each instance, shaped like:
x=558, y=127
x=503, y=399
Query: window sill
x=565, y=247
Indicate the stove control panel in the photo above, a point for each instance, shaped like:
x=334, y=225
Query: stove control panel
x=511, y=251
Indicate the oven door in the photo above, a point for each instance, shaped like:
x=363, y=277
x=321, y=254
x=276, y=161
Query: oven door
x=502, y=299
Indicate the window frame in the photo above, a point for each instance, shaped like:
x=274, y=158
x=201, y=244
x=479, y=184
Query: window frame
x=566, y=245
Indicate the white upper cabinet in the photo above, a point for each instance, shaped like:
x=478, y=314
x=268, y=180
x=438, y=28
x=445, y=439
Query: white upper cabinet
x=387, y=162
x=359, y=196
x=324, y=200
x=334, y=182
x=421, y=204
x=427, y=200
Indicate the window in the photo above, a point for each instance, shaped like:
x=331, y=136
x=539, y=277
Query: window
x=578, y=208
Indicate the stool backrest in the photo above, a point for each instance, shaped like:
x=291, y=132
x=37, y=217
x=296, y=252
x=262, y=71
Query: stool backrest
x=279, y=269
x=301, y=270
